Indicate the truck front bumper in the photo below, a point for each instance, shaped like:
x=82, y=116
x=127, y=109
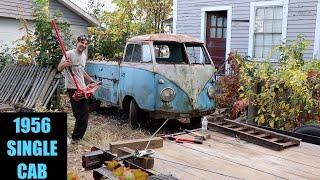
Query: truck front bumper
x=175, y=115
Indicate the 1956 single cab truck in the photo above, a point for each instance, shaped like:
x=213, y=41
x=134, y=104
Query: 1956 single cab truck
x=167, y=76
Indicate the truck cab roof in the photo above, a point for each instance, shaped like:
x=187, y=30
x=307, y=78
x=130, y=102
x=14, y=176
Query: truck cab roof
x=165, y=38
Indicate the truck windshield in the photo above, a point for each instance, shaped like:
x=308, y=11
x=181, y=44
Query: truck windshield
x=197, y=54
x=169, y=53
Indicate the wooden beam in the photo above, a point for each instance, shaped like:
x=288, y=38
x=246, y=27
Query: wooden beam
x=144, y=162
x=94, y=159
x=140, y=144
x=256, y=135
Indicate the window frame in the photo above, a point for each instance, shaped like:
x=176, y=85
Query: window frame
x=183, y=48
x=316, y=45
x=134, y=47
x=253, y=6
x=125, y=52
x=203, y=56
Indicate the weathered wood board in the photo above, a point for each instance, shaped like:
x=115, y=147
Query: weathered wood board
x=226, y=157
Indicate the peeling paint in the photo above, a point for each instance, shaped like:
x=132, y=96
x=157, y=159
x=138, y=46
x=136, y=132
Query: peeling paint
x=190, y=78
x=145, y=81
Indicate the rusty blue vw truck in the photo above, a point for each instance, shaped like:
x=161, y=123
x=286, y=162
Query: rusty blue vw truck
x=166, y=76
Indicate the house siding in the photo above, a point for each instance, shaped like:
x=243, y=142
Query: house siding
x=301, y=20
x=16, y=9
x=11, y=10
x=23, y=8
x=9, y=31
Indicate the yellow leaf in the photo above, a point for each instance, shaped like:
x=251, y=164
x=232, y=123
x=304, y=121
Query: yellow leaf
x=72, y=176
x=287, y=126
x=271, y=124
x=272, y=115
x=261, y=119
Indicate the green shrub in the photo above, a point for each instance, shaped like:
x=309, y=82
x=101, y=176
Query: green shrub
x=49, y=52
x=285, y=96
x=6, y=56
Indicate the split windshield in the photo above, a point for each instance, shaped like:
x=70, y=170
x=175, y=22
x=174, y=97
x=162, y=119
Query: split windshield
x=175, y=53
x=197, y=54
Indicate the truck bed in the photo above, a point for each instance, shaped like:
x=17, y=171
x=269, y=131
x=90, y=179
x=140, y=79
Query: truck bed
x=226, y=157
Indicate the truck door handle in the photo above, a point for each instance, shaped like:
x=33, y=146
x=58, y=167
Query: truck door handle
x=123, y=74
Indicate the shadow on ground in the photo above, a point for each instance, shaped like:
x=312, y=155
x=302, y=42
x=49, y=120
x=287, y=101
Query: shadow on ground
x=150, y=125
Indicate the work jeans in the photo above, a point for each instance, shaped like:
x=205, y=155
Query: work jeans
x=80, y=110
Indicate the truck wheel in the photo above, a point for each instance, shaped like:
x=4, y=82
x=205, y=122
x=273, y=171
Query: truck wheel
x=162, y=177
x=312, y=130
x=134, y=114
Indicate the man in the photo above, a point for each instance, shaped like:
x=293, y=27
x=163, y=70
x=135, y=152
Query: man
x=76, y=60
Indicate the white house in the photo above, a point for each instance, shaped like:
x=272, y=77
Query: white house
x=11, y=10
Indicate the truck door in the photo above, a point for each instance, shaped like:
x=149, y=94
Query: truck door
x=136, y=75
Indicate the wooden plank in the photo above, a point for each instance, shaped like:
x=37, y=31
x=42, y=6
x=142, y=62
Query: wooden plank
x=14, y=83
x=94, y=159
x=240, y=128
x=303, y=137
x=3, y=70
x=7, y=84
x=5, y=76
x=216, y=164
x=36, y=81
x=275, y=139
x=20, y=87
x=256, y=135
x=46, y=87
x=40, y=86
x=250, y=132
x=144, y=162
x=288, y=144
x=285, y=137
x=29, y=84
x=140, y=144
x=235, y=158
x=20, y=81
x=262, y=135
x=24, y=85
x=302, y=154
x=229, y=125
x=247, y=137
x=51, y=93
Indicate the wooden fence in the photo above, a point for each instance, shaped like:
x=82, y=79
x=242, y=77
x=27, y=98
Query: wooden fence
x=28, y=86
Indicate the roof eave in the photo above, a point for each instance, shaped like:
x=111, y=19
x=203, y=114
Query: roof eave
x=80, y=12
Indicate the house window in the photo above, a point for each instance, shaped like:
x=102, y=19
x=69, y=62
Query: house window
x=218, y=26
x=268, y=23
x=267, y=31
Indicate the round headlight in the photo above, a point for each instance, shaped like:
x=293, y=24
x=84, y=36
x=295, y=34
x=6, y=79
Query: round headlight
x=167, y=94
x=211, y=91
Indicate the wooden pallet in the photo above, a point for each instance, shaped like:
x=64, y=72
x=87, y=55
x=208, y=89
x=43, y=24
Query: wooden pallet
x=254, y=134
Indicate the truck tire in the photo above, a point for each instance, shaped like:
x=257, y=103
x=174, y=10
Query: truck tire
x=162, y=177
x=134, y=114
x=312, y=130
